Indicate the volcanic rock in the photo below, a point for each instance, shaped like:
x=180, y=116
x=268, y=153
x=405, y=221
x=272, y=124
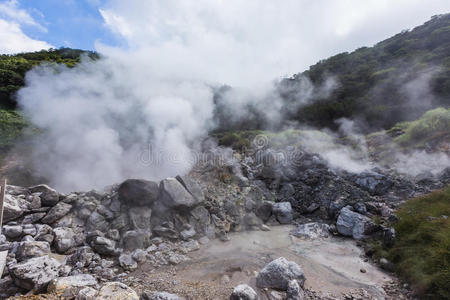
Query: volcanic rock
x=138, y=192
x=278, y=273
x=243, y=292
x=49, y=196
x=35, y=273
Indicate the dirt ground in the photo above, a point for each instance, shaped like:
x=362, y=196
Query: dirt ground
x=332, y=267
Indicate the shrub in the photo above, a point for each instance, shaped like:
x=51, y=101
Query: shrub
x=431, y=123
x=422, y=249
x=11, y=127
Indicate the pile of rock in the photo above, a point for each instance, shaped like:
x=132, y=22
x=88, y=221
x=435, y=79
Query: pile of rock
x=105, y=235
x=96, y=237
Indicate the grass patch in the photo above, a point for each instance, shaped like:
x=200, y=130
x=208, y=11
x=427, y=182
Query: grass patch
x=432, y=123
x=422, y=249
x=12, y=125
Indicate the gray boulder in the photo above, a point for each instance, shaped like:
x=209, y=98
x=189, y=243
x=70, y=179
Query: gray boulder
x=29, y=249
x=283, y=212
x=252, y=221
x=187, y=233
x=64, y=239
x=243, y=292
x=159, y=296
x=104, y=246
x=49, y=196
x=139, y=255
x=12, y=231
x=192, y=187
x=11, y=208
x=87, y=293
x=140, y=218
x=96, y=222
x=7, y=287
x=373, y=182
x=57, y=212
x=134, y=239
x=44, y=233
x=70, y=286
x=35, y=273
x=138, y=192
x=174, y=195
x=116, y=291
x=350, y=223
x=264, y=211
x=29, y=229
x=278, y=273
x=82, y=257
x=294, y=291
x=201, y=219
x=311, y=231
x=127, y=262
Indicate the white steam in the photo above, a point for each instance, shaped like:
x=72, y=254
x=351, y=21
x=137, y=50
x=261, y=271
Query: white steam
x=112, y=119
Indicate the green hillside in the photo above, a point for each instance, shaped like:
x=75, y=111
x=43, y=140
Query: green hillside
x=396, y=80
x=12, y=77
x=14, y=67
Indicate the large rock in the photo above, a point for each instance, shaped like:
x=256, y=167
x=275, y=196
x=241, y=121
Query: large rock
x=35, y=273
x=138, y=192
x=278, y=273
x=44, y=233
x=7, y=287
x=373, y=182
x=174, y=195
x=192, y=187
x=283, y=212
x=49, y=197
x=116, y=291
x=57, y=212
x=104, y=246
x=135, y=239
x=243, y=292
x=29, y=249
x=264, y=211
x=64, y=239
x=87, y=293
x=83, y=256
x=201, y=219
x=12, y=231
x=70, y=286
x=350, y=223
x=96, y=222
x=311, y=231
x=148, y=295
x=127, y=262
x=140, y=218
x=11, y=209
x=294, y=291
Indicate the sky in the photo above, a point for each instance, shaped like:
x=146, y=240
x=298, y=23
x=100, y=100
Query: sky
x=277, y=37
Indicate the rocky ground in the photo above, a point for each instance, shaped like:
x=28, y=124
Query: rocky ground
x=145, y=235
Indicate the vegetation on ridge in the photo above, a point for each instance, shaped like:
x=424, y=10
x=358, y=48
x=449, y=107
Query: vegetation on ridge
x=396, y=80
x=421, y=252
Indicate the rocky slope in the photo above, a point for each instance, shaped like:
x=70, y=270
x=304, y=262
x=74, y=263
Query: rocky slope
x=85, y=244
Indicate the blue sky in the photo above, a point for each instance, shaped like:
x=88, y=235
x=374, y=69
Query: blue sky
x=69, y=23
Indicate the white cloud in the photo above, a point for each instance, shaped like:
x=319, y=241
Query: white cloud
x=13, y=40
x=246, y=41
x=12, y=37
